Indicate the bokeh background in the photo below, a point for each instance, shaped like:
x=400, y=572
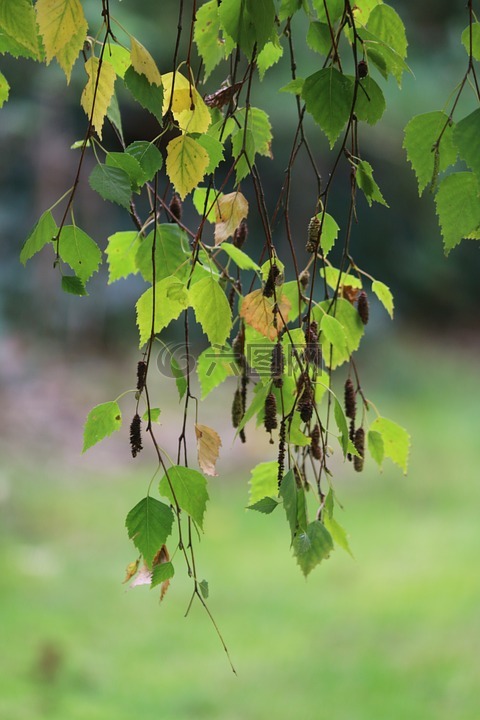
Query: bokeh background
x=392, y=633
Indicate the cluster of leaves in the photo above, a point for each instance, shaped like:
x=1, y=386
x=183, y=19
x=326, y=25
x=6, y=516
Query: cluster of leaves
x=304, y=328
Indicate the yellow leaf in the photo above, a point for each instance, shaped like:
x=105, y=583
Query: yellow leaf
x=257, y=311
x=187, y=106
x=67, y=56
x=230, y=210
x=105, y=90
x=60, y=22
x=186, y=163
x=144, y=64
x=208, y=445
x=131, y=569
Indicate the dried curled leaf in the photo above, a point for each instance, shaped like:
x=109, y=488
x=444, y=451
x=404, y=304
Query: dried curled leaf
x=257, y=311
x=230, y=210
x=208, y=445
x=131, y=570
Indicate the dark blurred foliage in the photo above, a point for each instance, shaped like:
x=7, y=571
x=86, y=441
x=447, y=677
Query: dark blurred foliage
x=401, y=246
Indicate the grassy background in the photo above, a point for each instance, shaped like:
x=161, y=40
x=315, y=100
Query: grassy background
x=392, y=634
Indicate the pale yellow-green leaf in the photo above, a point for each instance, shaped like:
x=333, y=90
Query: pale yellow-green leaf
x=4, y=89
x=67, y=56
x=230, y=210
x=171, y=297
x=186, y=163
x=208, y=446
x=17, y=19
x=384, y=294
x=60, y=21
x=143, y=63
x=187, y=105
x=98, y=102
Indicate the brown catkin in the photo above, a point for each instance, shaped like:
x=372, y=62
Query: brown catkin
x=269, y=288
x=313, y=235
x=351, y=436
x=363, y=307
x=141, y=375
x=238, y=346
x=270, y=413
x=304, y=279
x=359, y=442
x=305, y=403
x=175, y=208
x=315, y=447
x=277, y=364
x=237, y=409
x=231, y=297
x=362, y=68
x=240, y=234
x=136, y=435
x=313, y=353
x=281, y=451
x=244, y=401
x=349, y=398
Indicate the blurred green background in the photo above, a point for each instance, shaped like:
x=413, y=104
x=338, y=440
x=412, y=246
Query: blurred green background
x=391, y=634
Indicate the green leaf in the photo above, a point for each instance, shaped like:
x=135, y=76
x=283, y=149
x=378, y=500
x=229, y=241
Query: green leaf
x=375, y=446
x=214, y=149
x=148, y=155
x=329, y=232
x=4, y=89
x=239, y=257
x=188, y=488
x=101, y=422
x=119, y=58
x=458, y=207
x=263, y=481
x=332, y=276
x=129, y=165
x=293, y=503
x=269, y=56
x=73, y=285
x=213, y=367
x=200, y=195
x=162, y=572
x=44, y=232
x=288, y=8
x=294, y=87
x=421, y=133
x=187, y=163
x=171, y=297
x=9, y=45
x=396, y=441
x=386, y=26
x=149, y=96
x=121, y=251
x=243, y=150
x=170, y=256
x=333, y=333
x=328, y=96
x=338, y=533
x=475, y=40
x=466, y=137
x=365, y=181
x=257, y=139
x=312, y=546
x=370, y=104
x=180, y=379
x=112, y=184
x=149, y=524
x=78, y=250
x=206, y=34
x=257, y=405
x=203, y=585
x=152, y=416
x=249, y=22
x=352, y=325
x=266, y=505
x=341, y=422
x=335, y=10
x=17, y=19
x=113, y=114
x=319, y=38
x=385, y=296
x=211, y=309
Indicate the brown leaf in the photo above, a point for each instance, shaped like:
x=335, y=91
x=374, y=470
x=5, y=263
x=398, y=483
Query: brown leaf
x=230, y=210
x=350, y=293
x=208, y=445
x=257, y=311
x=162, y=556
